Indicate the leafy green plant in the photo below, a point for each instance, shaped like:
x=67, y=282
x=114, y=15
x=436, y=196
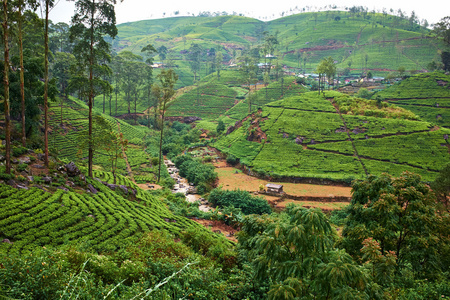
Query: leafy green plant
x=243, y=200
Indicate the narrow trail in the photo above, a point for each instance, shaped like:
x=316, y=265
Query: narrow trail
x=129, y=171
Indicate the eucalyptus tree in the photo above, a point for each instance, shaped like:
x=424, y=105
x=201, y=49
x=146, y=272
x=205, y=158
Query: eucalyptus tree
x=26, y=72
x=162, y=51
x=59, y=38
x=131, y=76
x=194, y=57
x=149, y=51
x=326, y=68
x=48, y=4
x=116, y=66
x=61, y=71
x=6, y=27
x=219, y=60
x=21, y=5
x=163, y=91
x=269, y=46
x=93, y=20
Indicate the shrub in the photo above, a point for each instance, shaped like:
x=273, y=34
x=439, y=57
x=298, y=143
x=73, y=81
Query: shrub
x=22, y=167
x=18, y=151
x=240, y=199
x=232, y=160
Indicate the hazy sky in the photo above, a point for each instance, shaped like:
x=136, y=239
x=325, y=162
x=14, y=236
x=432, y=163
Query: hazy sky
x=134, y=10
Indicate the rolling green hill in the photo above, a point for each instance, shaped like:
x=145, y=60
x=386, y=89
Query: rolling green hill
x=309, y=136
x=372, y=41
x=427, y=95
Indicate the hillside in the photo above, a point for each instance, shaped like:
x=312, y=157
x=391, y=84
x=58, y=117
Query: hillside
x=361, y=42
x=64, y=139
x=104, y=221
x=427, y=95
x=312, y=136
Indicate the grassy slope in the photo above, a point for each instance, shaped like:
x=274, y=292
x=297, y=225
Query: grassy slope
x=427, y=95
x=304, y=39
x=385, y=40
x=306, y=137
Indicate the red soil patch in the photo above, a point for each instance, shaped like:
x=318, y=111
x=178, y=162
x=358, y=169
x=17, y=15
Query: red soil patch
x=145, y=186
x=232, y=178
x=216, y=226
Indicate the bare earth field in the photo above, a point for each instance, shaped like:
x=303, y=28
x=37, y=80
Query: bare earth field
x=231, y=178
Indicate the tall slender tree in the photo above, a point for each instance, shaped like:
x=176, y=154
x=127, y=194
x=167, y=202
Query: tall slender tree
x=149, y=51
x=48, y=4
x=93, y=20
x=163, y=92
x=5, y=25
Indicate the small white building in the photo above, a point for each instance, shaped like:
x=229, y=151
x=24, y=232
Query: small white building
x=274, y=188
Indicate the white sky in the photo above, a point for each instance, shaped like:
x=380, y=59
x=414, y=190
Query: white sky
x=135, y=10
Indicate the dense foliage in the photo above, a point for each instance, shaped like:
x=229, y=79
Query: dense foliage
x=295, y=253
x=243, y=200
x=199, y=174
x=398, y=220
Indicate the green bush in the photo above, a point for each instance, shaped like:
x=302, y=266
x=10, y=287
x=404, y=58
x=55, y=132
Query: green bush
x=240, y=199
x=18, y=151
x=232, y=160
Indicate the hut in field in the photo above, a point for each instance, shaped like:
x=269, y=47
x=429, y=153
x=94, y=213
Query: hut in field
x=274, y=188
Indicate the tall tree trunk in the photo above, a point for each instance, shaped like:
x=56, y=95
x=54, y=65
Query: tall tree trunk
x=135, y=108
x=160, y=145
x=46, y=84
x=22, y=80
x=116, y=103
x=6, y=86
x=91, y=92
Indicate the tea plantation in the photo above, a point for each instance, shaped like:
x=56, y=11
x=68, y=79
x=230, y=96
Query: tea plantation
x=309, y=136
x=427, y=95
x=105, y=221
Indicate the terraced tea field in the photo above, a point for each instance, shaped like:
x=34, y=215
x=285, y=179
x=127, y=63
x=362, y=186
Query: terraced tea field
x=105, y=221
x=427, y=95
x=64, y=139
x=307, y=137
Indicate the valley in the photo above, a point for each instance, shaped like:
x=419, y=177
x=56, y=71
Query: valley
x=224, y=157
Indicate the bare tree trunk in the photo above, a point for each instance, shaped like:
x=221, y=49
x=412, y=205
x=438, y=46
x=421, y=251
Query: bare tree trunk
x=160, y=145
x=22, y=80
x=135, y=108
x=46, y=84
x=6, y=86
x=91, y=93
